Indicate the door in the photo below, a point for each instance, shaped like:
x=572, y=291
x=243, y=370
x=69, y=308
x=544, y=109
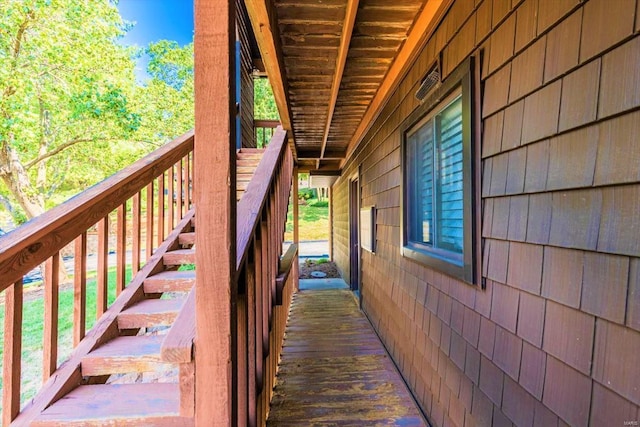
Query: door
x=354, y=235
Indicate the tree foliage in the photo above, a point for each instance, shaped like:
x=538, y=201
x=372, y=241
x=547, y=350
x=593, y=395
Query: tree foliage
x=65, y=86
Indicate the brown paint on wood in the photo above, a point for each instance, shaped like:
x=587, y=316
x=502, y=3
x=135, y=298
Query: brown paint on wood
x=80, y=289
x=215, y=201
x=103, y=267
x=177, y=346
x=161, y=210
x=123, y=355
x=11, y=358
x=68, y=377
x=121, y=247
x=149, y=313
x=150, y=226
x=136, y=233
x=345, y=41
x=423, y=28
x=50, y=334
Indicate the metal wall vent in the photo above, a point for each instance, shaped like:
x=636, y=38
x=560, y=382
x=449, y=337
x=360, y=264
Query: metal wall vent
x=429, y=82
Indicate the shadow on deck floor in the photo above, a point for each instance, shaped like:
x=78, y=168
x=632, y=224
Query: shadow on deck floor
x=334, y=370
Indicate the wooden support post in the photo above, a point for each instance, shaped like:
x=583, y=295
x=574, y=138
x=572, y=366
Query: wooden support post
x=80, y=289
x=50, y=335
x=296, y=208
x=215, y=201
x=330, y=223
x=11, y=366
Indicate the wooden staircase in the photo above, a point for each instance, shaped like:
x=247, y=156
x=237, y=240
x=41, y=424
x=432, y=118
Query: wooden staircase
x=126, y=377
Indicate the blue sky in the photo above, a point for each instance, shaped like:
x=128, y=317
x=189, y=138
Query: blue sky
x=156, y=20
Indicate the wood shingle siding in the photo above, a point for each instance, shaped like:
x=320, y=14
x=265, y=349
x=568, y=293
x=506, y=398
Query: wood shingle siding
x=554, y=336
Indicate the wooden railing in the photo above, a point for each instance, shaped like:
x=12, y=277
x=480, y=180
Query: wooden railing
x=262, y=215
x=265, y=282
x=264, y=130
x=121, y=221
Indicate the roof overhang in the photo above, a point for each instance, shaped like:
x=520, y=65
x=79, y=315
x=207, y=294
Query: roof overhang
x=334, y=64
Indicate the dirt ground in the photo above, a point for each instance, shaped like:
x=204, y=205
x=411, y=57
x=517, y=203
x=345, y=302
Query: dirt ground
x=308, y=266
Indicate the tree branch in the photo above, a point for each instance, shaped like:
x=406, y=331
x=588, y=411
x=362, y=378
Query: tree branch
x=56, y=150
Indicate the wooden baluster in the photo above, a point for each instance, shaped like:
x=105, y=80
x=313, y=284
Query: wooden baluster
x=80, y=288
x=259, y=281
x=241, y=353
x=11, y=364
x=179, y=190
x=103, y=267
x=171, y=198
x=121, y=247
x=251, y=334
x=136, y=233
x=50, y=334
x=266, y=288
x=187, y=184
x=161, y=210
x=149, y=237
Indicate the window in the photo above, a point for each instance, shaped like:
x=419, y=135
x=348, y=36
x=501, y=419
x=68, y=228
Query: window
x=438, y=193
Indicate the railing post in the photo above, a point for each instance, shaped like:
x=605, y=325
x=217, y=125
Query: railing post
x=80, y=288
x=215, y=201
x=50, y=334
x=11, y=366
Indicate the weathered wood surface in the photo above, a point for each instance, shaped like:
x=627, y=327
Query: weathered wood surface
x=123, y=355
x=124, y=404
x=11, y=367
x=68, y=376
x=177, y=346
x=334, y=370
x=150, y=312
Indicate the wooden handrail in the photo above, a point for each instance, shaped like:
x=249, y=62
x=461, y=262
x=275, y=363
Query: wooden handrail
x=250, y=206
x=266, y=123
x=31, y=244
x=43, y=240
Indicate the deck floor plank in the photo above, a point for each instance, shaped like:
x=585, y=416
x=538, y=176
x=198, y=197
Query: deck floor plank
x=334, y=371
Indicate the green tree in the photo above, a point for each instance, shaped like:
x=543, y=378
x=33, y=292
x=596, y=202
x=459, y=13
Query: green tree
x=65, y=86
x=165, y=101
x=264, y=101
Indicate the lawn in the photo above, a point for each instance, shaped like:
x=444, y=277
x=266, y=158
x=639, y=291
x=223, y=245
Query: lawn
x=32, y=330
x=314, y=220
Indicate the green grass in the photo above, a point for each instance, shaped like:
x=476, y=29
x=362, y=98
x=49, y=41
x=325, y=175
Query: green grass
x=314, y=220
x=32, y=330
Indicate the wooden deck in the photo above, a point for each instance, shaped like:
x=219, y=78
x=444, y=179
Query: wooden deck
x=334, y=370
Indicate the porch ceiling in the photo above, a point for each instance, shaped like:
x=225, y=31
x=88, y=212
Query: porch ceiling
x=334, y=63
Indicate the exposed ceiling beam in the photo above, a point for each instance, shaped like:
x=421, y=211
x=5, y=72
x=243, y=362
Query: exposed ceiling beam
x=345, y=41
x=265, y=29
x=421, y=31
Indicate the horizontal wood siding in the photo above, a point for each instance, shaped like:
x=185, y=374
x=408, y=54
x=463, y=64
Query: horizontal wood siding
x=246, y=78
x=554, y=337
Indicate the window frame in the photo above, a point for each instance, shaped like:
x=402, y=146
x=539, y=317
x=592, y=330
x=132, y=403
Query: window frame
x=464, y=267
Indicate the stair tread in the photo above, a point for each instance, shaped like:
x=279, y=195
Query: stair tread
x=150, y=312
x=123, y=355
x=187, y=238
x=140, y=346
x=154, y=306
x=179, y=256
x=170, y=281
x=88, y=405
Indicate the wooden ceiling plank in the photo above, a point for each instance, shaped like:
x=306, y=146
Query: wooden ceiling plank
x=345, y=40
x=422, y=29
x=267, y=35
